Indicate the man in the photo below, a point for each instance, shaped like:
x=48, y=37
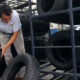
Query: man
x=10, y=32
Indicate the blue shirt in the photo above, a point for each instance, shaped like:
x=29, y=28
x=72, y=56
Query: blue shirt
x=14, y=24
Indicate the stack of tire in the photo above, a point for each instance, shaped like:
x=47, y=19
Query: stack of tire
x=40, y=27
x=50, y=6
x=61, y=58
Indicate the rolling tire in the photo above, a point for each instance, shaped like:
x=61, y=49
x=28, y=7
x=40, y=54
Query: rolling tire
x=31, y=71
x=61, y=58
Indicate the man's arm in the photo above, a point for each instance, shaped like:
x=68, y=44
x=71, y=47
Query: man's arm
x=12, y=39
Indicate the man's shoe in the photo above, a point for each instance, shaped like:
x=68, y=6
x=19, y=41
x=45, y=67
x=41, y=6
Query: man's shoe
x=19, y=78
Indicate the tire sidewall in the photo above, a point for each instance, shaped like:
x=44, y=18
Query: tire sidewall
x=29, y=63
x=50, y=55
x=57, y=5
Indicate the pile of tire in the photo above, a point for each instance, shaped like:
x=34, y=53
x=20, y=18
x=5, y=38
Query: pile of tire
x=31, y=68
x=40, y=27
x=50, y=6
x=61, y=58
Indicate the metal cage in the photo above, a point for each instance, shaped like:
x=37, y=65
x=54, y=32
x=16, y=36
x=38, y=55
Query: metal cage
x=75, y=75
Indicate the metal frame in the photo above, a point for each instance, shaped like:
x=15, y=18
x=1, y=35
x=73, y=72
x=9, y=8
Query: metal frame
x=75, y=75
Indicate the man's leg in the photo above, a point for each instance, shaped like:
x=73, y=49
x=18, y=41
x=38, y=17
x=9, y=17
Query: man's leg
x=19, y=43
x=8, y=55
x=20, y=49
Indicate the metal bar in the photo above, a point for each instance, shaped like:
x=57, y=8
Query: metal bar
x=76, y=9
x=70, y=10
x=54, y=13
x=43, y=75
x=31, y=27
x=59, y=73
x=45, y=66
x=72, y=39
x=50, y=14
x=56, y=46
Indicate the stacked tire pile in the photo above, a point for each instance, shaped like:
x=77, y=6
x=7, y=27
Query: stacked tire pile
x=50, y=6
x=61, y=58
x=40, y=27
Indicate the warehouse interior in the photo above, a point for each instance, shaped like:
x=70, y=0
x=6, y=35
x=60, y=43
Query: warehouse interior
x=51, y=32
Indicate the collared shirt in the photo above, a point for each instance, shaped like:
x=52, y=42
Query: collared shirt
x=12, y=26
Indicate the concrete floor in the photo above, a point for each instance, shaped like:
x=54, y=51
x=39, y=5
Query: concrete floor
x=48, y=68
x=44, y=76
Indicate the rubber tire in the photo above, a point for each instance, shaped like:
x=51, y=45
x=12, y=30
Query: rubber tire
x=32, y=68
x=53, y=5
x=56, y=5
x=55, y=56
x=38, y=25
x=2, y=66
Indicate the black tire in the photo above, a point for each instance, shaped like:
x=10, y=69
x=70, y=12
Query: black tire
x=61, y=58
x=2, y=66
x=31, y=72
x=49, y=6
x=40, y=27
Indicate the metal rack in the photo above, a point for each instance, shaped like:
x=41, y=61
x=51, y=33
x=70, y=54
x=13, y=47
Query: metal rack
x=75, y=75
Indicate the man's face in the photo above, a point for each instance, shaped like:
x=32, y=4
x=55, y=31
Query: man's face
x=5, y=18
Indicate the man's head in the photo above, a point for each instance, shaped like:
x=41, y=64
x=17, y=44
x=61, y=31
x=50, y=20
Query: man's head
x=5, y=13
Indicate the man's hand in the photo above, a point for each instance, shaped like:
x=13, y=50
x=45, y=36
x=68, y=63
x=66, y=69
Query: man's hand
x=3, y=50
x=12, y=39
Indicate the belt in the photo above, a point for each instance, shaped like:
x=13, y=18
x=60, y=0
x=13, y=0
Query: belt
x=6, y=33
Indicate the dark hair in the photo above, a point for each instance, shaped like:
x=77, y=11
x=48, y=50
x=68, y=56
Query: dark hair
x=5, y=9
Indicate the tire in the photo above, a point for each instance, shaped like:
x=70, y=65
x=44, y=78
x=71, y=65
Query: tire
x=31, y=71
x=49, y=6
x=2, y=66
x=61, y=58
x=40, y=27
